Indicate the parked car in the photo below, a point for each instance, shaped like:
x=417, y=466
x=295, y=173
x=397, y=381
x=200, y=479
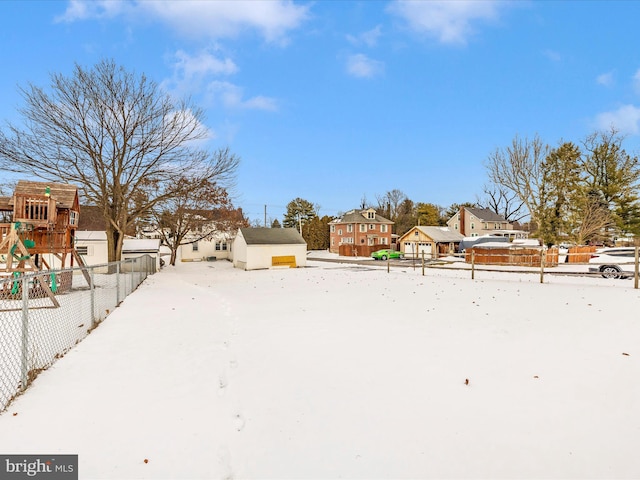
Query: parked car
x=384, y=254
x=613, y=262
x=468, y=242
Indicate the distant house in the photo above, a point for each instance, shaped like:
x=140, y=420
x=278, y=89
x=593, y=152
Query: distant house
x=433, y=241
x=359, y=232
x=258, y=248
x=475, y=222
x=219, y=246
x=91, y=240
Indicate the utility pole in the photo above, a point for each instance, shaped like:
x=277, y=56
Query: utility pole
x=265, y=216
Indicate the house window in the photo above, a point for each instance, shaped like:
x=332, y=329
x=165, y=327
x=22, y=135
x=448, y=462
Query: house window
x=383, y=240
x=486, y=226
x=473, y=226
x=333, y=241
x=371, y=215
x=224, y=246
x=333, y=229
x=194, y=247
x=455, y=226
x=383, y=228
x=496, y=226
x=372, y=241
x=218, y=246
x=73, y=218
x=372, y=227
x=339, y=231
x=416, y=233
x=363, y=227
x=349, y=228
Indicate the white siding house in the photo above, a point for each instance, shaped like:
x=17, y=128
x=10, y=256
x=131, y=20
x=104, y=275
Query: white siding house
x=257, y=248
x=92, y=246
x=219, y=247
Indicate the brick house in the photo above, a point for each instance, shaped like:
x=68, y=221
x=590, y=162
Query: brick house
x=359, y=232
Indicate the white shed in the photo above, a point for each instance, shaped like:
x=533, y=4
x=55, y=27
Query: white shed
x=256, y=248
x=137, y=247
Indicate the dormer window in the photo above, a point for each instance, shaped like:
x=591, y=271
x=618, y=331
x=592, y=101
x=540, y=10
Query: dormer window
x=371, y=214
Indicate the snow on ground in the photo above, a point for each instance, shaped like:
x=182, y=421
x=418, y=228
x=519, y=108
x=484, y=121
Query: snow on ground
x=347, y=371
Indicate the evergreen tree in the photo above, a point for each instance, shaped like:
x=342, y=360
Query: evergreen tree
x=614, y=174
x=430, y=214
x=276, y=224
x=316, y=233
x=559, y=190
x=405, y=218
x=299, y=212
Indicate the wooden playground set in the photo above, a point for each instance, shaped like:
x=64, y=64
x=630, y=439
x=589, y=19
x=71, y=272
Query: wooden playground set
x=38, y=236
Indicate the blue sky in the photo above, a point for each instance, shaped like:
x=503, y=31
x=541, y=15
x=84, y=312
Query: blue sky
x=336, y=101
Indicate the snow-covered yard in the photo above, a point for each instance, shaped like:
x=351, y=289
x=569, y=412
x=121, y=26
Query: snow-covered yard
x=347, y=371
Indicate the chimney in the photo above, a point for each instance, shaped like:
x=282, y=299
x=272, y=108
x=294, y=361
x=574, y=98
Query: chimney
x=462, y=223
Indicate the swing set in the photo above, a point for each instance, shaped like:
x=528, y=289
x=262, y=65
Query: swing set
x=43, y=220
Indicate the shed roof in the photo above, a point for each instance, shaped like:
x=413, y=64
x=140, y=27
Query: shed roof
x=441, y=234
x=272, y=236
x=65, y=194
x=140, y=245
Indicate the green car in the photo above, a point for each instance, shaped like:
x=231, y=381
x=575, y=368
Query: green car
x=384, y=254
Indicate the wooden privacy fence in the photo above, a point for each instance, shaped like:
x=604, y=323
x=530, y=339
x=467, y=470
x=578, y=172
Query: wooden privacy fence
x=580, y=254
x=518, y=256
x=352, y=250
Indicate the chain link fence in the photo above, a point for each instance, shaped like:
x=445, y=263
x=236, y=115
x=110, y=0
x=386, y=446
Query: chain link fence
x=43, y=315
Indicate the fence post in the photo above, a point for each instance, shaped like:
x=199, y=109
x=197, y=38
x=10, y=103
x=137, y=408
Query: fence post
x=92, y=288
x=473, y=264
x=25, y=332
x=543, y=254
x=117, y=283
x=423, y=263
x=635, y=274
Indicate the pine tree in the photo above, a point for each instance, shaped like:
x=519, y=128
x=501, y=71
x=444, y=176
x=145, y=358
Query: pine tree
x=299, y=212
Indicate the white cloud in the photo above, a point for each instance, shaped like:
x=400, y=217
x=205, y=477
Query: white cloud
x=208, y=19
x=232, y=96
x=626, y=119
x=450, y=22
x=605, y=79
x=83, y=10
x=552, y=55
x=636, y=81
x=368, y=38
x=192, y=72
x=204, y=63
x=360, y=65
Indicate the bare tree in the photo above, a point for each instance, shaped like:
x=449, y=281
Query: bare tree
x=115, y=135
x=502, y=201
x=517, y=168
x=591, y=219
x=200, y=210
x=390, y=203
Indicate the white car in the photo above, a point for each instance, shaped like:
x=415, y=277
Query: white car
x=615, y=262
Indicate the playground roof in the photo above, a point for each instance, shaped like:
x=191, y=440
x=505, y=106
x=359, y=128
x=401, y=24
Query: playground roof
x=64, y=193
x=5, y=203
